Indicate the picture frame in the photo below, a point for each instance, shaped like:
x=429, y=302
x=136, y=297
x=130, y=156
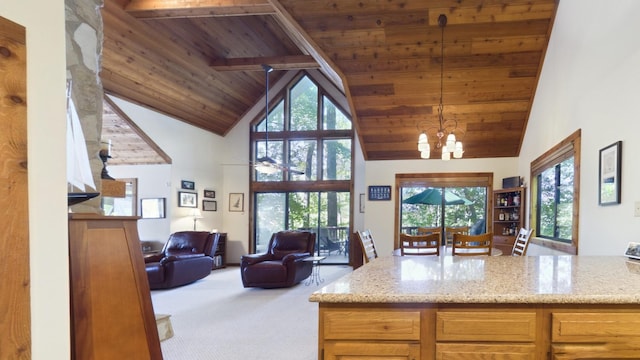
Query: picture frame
x=362, y=202
x=188, y=185
x=633, y=250
x=210, y=194
x=379, y=192
x=236, y=202
x=209, y=205
x=153, y=208
x=610, y=169
x=187, y=199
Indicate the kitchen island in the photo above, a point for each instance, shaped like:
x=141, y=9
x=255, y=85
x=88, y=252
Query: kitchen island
x=546, y=307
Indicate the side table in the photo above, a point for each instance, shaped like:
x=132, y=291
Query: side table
x=315, y=272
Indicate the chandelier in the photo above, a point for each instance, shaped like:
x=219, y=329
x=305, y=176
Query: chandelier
x=449, y=145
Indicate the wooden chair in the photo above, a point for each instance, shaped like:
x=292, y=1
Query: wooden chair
x=368, y=245
x=521, y=244
x=472, y=245
x=420, y=244
x=449, y=231
x=428, y=230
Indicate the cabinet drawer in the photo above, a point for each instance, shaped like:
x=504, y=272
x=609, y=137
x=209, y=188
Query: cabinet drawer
x=485, y=326
x=503, y=240
x=366, y=350
x=371, y=325
x=457, y=351
x=594, y=327
x=605, y=351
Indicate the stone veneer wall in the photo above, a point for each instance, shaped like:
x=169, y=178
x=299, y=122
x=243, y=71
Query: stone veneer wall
x=84, y=34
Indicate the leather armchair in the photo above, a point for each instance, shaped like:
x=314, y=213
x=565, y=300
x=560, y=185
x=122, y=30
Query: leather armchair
x=185, y=258
x=282, y=265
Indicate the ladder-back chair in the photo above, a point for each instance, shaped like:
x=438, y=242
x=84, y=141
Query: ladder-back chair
x=472, y=245
x=420, y=244
x=368, y=245
x=521, y=244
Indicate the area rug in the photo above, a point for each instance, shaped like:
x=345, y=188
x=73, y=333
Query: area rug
x=217, y=319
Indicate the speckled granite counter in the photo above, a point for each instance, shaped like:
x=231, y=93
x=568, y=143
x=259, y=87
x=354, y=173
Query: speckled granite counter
x=547, y=307
x=503, y=279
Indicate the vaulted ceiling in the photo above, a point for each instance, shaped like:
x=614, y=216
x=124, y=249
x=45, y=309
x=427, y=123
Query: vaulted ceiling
x=199, y=61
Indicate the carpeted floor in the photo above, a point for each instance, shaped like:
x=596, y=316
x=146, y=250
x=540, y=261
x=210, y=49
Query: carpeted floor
x=217, y=319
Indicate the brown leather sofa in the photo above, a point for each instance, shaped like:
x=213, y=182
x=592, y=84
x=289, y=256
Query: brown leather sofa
x=185, y=258
x=282, y=265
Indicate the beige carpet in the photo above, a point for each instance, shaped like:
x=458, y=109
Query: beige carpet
x=217, y=319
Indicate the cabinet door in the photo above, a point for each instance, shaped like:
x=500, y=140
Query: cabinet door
x=458, y=351
x=366, y=350
x=594, y=351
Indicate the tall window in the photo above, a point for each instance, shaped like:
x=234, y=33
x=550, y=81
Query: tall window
x=555, y=179
x=308, y=132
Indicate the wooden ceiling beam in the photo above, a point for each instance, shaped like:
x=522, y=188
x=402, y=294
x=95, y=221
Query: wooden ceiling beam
x=294, y=62
x=154, y=9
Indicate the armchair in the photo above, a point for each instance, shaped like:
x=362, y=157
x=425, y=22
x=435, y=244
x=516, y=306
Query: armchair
x=185, y=258
x=282, y=265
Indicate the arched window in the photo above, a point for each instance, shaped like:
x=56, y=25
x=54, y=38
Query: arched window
x=309, y=133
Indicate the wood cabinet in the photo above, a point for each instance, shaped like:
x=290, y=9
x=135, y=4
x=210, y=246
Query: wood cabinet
x=372, y=332
x=111, y=309
x=219, y=253
x=479, y=331
x=508, y=217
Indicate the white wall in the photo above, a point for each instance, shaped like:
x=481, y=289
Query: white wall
x=196, y=156
x=48, y=236
x=154, y=181
x=591, y=81
x=379, y=215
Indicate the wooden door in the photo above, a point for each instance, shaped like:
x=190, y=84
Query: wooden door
x=15, y=316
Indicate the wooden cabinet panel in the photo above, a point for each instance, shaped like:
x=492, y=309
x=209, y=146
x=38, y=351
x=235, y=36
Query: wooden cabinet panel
x=372, y=325
x=595, y=327
x=457, y=351
x=485, y=326
x=111, y=309
x=594, y=351
x=368, y=350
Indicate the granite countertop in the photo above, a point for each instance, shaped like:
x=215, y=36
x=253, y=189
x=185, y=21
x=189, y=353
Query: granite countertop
x=500, y=279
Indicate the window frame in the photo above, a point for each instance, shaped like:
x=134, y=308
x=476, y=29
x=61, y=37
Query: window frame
x=286, y=136
x=567, y=148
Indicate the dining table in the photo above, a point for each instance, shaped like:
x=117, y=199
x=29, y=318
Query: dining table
x=447, y=250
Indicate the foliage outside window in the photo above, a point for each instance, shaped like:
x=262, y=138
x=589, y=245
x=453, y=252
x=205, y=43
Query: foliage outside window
x=555, y=181
x=310, y=133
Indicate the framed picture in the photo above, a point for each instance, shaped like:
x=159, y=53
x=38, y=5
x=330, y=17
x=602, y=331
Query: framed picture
x=236, y=202
x=610, y=170
x=210, y=194
x=153, y=208
x=362, y=202
x=633, y=250
x=187, y=199
x=209, y=205
x=187, y=185
x=379, y=192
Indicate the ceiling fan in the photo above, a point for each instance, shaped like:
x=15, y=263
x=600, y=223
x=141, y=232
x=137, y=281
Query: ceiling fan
x=266, y=164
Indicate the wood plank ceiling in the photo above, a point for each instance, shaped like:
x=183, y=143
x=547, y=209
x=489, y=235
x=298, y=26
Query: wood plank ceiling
x=199, y=62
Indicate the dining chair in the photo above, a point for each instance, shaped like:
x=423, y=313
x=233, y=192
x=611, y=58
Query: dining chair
x=449, y=231
x=420, y=244
x=367, y=244
x=428, y=230
x=472, y=245
x=521, y=244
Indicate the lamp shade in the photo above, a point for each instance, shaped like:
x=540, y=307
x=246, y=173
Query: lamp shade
x=451, y=142
x=457, y=152
x=425, y=153
x=446, y=155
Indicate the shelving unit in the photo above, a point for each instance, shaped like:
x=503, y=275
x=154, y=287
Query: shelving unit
x=219, y=260
x=508, y=217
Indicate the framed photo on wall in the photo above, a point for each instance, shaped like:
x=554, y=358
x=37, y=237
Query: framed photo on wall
x=210, y=194
x=187, y=199
x=236, y=202
x=609, y=177
x=187, y=185
x=209, y=205
x=152, y=208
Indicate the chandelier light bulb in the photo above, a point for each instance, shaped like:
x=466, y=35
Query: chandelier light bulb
x=457, y=152
x=425, y=154
x=451, y=142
